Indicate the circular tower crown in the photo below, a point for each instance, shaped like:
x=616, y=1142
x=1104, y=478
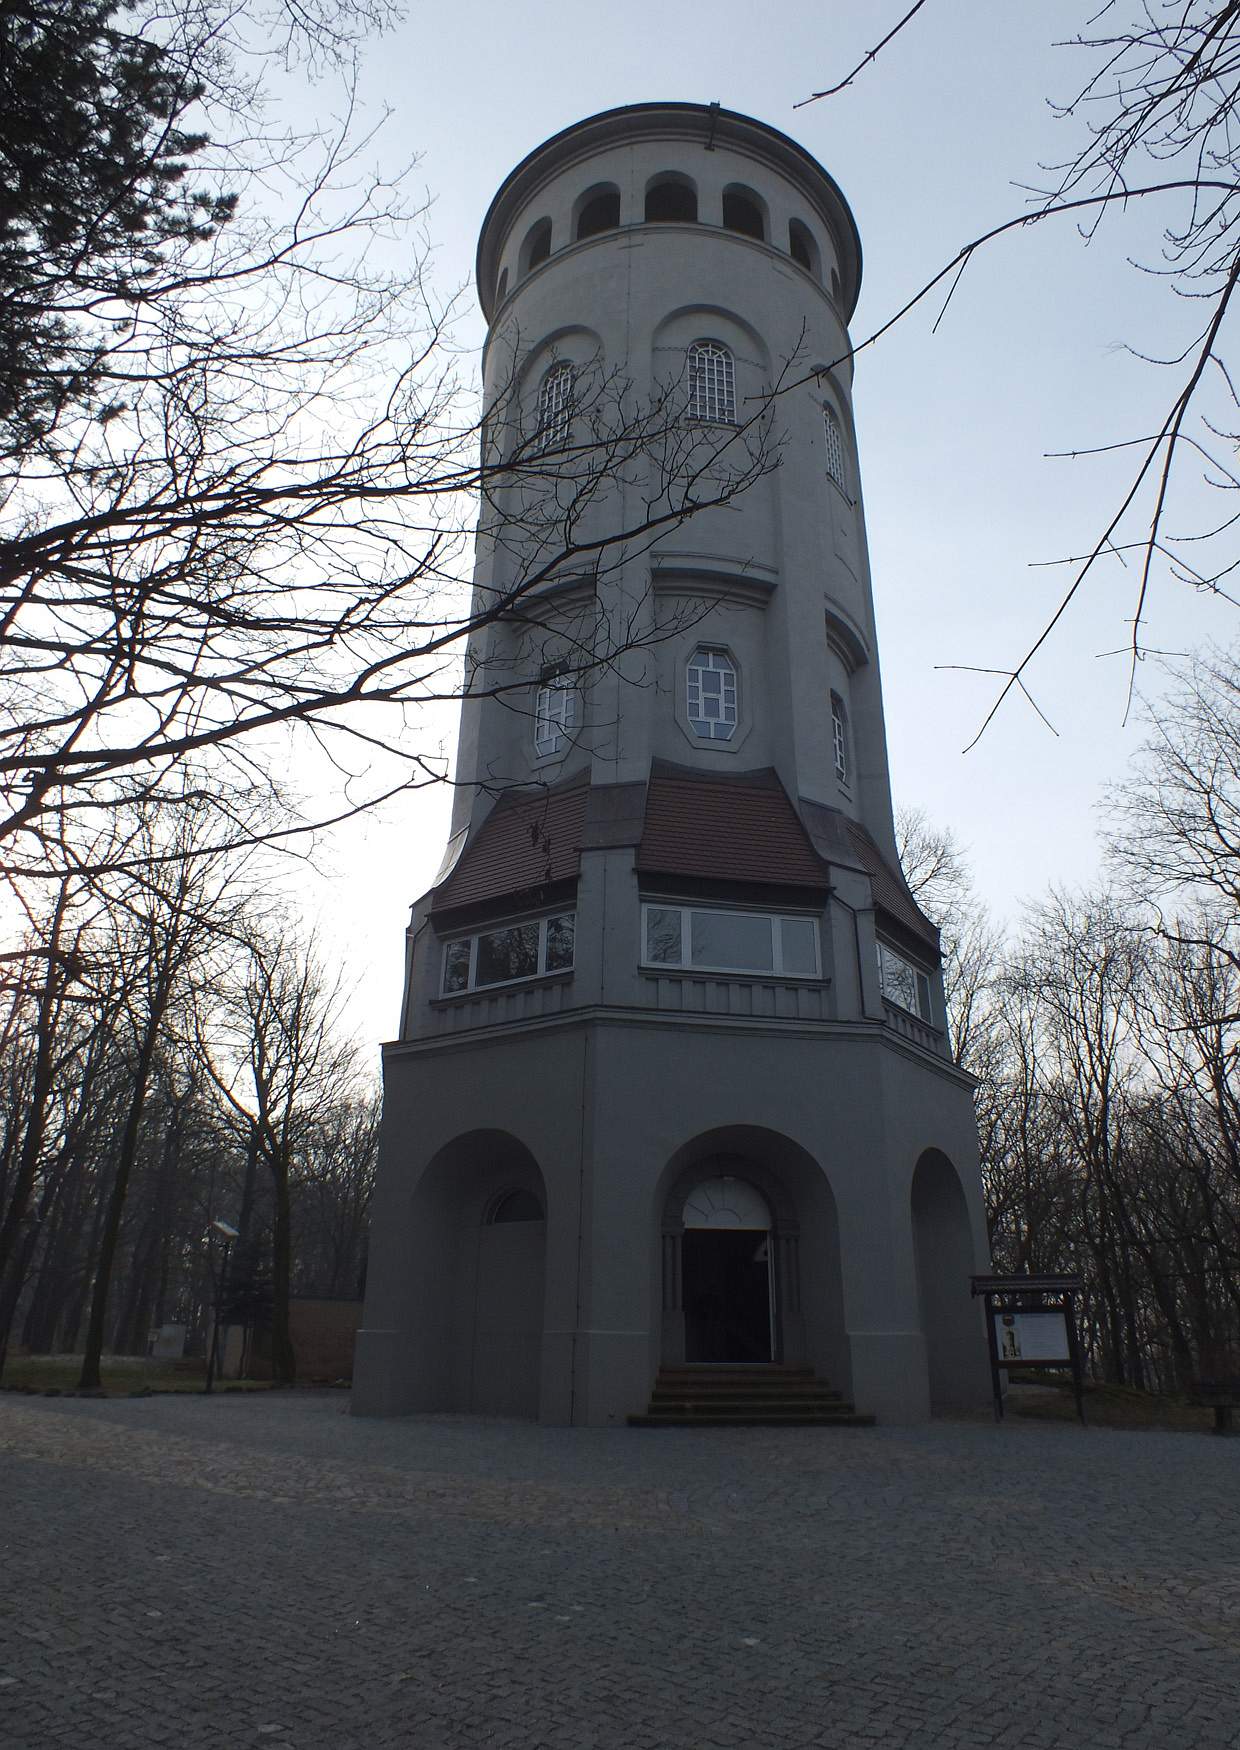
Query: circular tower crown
x=511, y=243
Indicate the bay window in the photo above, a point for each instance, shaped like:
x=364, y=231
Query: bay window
x=713, y=940
x=508, y=955
x=903, y=983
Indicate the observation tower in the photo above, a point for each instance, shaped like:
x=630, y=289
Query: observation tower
x=672, y=1094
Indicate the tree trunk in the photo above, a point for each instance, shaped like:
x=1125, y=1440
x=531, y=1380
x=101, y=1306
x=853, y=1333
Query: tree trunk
x=283, y=1361
x=14, y=1257
x=89, y=1379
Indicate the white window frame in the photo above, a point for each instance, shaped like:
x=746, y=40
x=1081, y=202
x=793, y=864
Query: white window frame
x=891, y=962
x=555, y=715
x=710, y=377
x=555, y=407
x=472, y=988
x=836, y=454
x=839, y=737
x=775, y=918
x=694, y=715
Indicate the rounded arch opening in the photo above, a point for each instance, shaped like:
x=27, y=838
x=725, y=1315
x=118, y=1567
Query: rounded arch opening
x=744, y=211
x=671, y=199
x=596, y=211
x=517, y=1205
x=757, y=1175
x=476, y=1276
x=727, y=1202
x=537, y=245
x=944, y=1255
x=802, y=247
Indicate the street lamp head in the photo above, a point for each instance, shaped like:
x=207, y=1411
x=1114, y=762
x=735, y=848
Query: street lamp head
x=226, y=1228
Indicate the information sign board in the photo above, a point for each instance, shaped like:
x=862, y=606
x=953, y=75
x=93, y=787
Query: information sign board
x=1033, y=1337
x=1031, y=1322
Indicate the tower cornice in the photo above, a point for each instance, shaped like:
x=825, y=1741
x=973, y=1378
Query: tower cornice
x=705, y=125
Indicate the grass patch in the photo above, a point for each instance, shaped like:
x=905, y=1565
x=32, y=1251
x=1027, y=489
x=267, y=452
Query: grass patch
x=1112, y=1406
x=121, y=1375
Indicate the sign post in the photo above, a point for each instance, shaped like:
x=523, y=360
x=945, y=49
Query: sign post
x=1031, y=1323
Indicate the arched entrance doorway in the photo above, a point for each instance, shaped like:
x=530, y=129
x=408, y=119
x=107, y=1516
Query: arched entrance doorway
x=728, y=1281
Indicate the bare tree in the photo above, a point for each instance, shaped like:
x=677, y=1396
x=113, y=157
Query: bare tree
x=937, y=873
x=1175, y=824
x=235, y=513
x=1153, y=124
x=277, y=1054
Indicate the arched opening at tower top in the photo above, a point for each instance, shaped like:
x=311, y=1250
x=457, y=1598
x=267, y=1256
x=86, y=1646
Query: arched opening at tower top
x=671, y=199
x=742, y=212
x=802, y=248
x=599, y=211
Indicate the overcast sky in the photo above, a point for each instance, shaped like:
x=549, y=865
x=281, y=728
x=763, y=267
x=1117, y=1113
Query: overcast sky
x=963, y=507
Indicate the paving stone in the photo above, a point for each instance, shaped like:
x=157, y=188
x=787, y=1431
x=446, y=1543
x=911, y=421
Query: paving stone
x=266, y=1570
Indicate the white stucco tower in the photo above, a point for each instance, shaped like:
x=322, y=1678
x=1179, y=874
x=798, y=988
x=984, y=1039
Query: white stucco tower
x=671, y=1088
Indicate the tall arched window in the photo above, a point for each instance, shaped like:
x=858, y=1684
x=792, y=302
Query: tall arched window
x=501, y=291
x=711, y=383
x=711, y=694
x=839, y=737
x=555, y=715
x=555, y=407
x=834, y=439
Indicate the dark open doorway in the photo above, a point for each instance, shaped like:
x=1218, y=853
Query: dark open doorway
x=727, y=1295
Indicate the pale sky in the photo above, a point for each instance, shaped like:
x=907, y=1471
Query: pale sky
x=953, y=428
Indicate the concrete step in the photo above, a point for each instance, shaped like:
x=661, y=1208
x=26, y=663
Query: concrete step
x=712, y=1419
x=789, y=1388
x=736, y=1396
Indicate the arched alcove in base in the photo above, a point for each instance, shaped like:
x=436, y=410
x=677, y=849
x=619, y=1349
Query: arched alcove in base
x=943, y=1246
x=478, y=1275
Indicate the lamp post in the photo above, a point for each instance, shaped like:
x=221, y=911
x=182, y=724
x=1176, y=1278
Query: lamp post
x=229, y=1234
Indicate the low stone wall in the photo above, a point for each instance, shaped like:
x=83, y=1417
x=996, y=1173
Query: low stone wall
x=323, y=1333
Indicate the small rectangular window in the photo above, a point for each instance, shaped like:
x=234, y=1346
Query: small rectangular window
x=555, y=714
x=663, y=935
x=839, y=737
x=560, y=933
x=456, y=966
x=732, y=938
x=834, y=440
x=508, y=955
x=696, y=938
x=799, y=943
x=902, y=983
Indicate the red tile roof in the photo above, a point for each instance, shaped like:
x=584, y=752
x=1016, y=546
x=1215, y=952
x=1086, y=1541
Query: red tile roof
x=726, y=829
x=890, y=893
x=529, y=840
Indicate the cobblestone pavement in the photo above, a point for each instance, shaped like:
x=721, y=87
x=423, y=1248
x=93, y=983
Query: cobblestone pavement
x=267, y=1571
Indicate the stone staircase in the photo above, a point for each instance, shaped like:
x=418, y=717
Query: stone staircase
x=746, y=1397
